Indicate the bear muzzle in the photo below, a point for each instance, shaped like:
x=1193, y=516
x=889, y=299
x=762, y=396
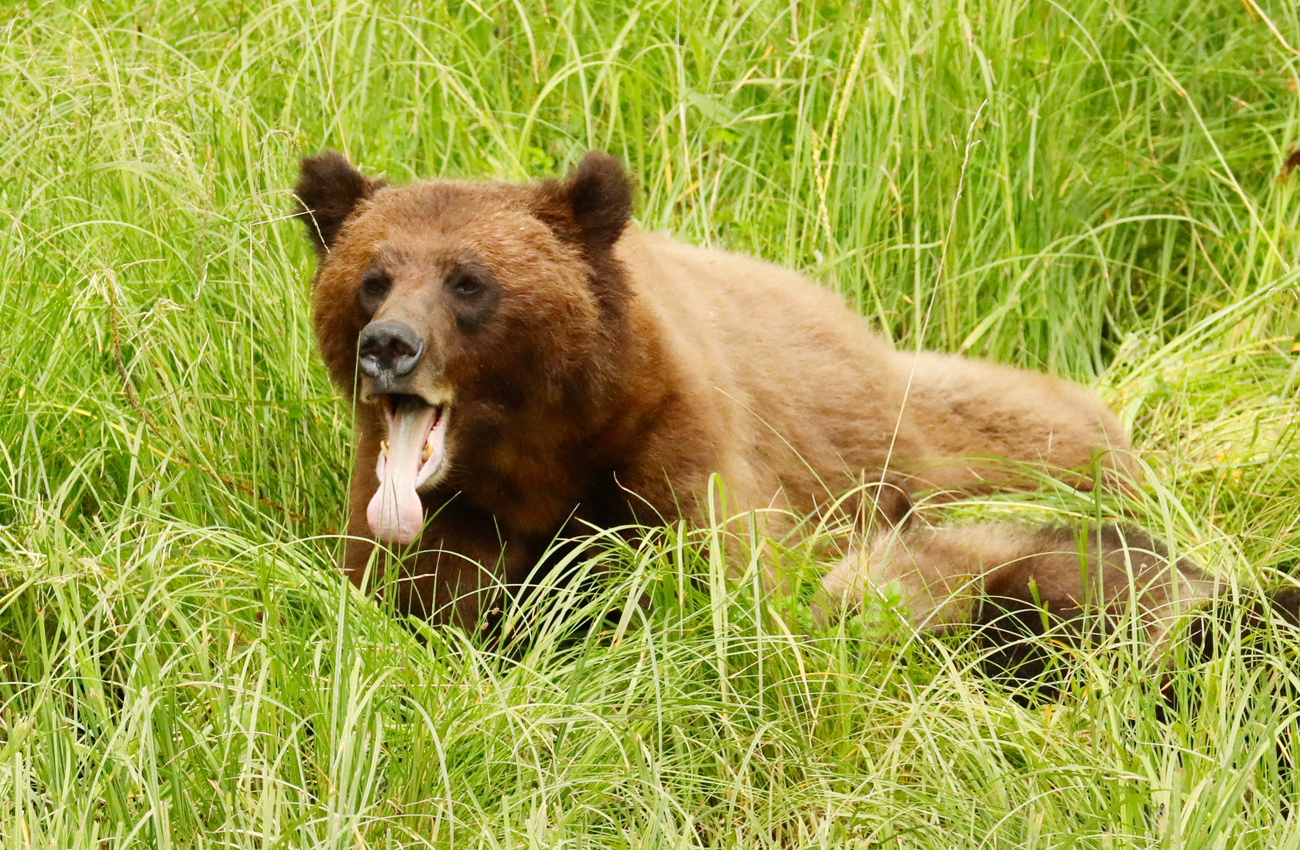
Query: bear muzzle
x=388, y=352
x=396, y=375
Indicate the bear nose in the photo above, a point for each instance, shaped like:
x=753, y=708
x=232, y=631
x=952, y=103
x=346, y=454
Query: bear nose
x=388, y=349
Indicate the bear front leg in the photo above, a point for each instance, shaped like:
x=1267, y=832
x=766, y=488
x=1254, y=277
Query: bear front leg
x=454, y=574
x=449, y=577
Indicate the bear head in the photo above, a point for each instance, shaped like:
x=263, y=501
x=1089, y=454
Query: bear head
x=467, y=321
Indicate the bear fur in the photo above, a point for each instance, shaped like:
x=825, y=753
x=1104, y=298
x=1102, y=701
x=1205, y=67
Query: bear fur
x=1012, y=585
x=996, y=574
x=574, y=371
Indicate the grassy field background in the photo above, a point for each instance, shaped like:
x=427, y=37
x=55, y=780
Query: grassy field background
x=1092, y=188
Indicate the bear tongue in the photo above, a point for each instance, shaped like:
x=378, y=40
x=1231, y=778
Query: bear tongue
x=395, y=514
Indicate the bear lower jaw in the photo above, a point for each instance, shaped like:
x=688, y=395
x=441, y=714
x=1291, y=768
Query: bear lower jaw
x=413, y=453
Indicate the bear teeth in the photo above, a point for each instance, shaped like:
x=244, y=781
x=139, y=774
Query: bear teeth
x=383, y=448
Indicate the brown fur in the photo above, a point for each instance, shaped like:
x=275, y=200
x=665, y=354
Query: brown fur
x=989, y=412
x=616, y=370
x=987, y=573
x=1013, y=586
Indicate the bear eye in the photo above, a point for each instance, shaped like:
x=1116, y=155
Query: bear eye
x=473, y=294
x=375, y=284
x=465, y=285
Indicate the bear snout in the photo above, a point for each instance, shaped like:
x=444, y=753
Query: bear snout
x=387, y=351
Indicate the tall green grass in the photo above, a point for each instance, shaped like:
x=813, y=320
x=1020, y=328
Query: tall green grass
x=1091, y=188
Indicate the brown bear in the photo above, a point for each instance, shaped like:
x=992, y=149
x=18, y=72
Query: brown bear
x=523, y=362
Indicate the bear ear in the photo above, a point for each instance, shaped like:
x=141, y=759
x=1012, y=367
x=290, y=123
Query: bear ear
x=328, y=190
x=593, y=205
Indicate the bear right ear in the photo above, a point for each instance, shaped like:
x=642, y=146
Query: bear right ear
x=328, y=191
x=593, y=205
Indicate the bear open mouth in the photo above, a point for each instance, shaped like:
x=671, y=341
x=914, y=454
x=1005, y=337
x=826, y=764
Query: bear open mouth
x=408, y=458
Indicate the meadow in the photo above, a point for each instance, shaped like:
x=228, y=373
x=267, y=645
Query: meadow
x=1097, y=189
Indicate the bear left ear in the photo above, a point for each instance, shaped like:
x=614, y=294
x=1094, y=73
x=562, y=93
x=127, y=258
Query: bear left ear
x=328, y=191
x=593, y=205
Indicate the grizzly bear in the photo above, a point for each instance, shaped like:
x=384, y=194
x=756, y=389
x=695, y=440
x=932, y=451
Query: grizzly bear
x=523, y=364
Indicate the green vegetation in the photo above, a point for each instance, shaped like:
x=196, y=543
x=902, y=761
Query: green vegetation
x=1088, y=187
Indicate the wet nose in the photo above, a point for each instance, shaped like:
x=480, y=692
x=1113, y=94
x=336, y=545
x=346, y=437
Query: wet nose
x=388, y=349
